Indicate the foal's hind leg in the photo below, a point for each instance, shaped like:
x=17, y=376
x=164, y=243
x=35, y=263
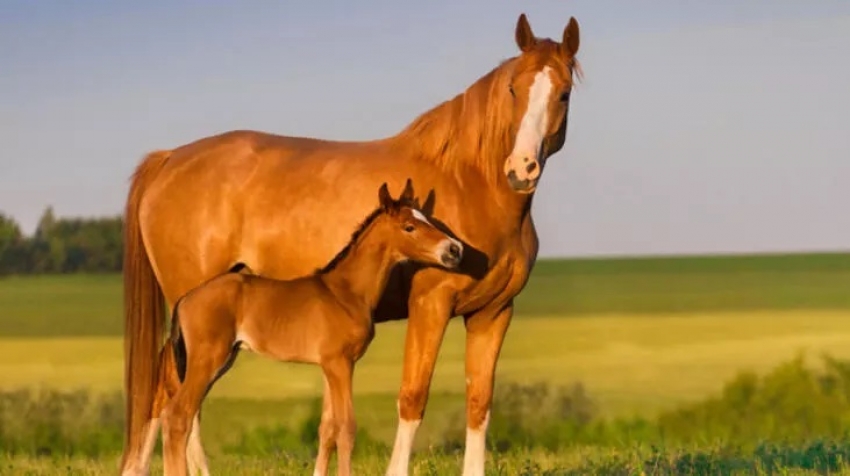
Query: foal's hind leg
x=203, y=366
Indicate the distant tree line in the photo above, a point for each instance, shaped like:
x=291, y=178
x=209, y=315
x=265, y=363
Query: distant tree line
x=61, y=245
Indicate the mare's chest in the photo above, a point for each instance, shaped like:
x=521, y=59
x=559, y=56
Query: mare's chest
x=505, y=273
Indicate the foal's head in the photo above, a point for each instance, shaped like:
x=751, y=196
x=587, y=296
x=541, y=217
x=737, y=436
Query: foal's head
x=410, y=235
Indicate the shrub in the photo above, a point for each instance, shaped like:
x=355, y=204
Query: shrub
x=767, y=416
x=50, y=423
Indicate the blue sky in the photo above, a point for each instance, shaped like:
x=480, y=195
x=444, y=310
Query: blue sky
x=701, y=127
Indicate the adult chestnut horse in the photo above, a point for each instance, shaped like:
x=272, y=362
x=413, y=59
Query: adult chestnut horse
x=286, y=205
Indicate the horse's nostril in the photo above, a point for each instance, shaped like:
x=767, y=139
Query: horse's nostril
x=531, y=167
x=454, y=250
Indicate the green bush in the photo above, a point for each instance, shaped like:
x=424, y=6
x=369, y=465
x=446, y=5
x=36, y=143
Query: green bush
x=283, y=441
x=793, y=416
x=793, y=403
x=51, y=423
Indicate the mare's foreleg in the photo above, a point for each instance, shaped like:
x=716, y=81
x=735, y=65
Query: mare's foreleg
x=327, y=432
x=485, y=333
x=429, y=314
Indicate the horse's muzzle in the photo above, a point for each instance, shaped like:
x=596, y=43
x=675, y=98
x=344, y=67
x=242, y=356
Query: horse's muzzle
x=452, y=255
x=521, y=186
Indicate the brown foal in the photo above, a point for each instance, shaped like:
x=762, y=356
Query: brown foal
x=324, y=319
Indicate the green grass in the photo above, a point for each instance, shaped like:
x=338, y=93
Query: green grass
x=811, y=460
x=688, y=284
x=61, y=305
x=80, y=305
x=642, y=336
x=625, y=363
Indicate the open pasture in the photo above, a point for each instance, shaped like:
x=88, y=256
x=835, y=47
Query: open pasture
x=641, y=335
x=90, y=305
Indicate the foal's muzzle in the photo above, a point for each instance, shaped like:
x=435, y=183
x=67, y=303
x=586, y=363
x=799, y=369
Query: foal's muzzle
x=452, y=254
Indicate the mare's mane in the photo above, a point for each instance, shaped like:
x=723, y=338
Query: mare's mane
x=473, y=128
x=469, y=129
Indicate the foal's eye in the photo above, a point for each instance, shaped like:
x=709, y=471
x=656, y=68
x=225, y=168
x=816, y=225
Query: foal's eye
x=408, y=228
x=511, y=89
x=565, y=96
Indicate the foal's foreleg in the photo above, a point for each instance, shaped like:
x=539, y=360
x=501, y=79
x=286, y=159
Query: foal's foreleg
x=339, y=374
x=327, y=433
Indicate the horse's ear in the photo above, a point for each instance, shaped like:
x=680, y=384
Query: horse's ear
x=524, y=36
x=407, y=193
x=384, y=197
x=569, y=45
x=428, y=207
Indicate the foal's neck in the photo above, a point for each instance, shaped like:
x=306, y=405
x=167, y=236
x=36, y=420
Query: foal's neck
x=362, y=275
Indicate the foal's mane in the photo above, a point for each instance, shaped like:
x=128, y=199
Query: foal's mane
x=355, y=237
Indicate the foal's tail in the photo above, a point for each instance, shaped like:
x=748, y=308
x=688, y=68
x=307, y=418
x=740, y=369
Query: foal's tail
x=172, y=367
x=144, y=314
x=178, y=344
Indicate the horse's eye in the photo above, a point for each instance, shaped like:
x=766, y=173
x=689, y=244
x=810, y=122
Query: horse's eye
x=511, y=89
x=408, y=228
x=565, y=96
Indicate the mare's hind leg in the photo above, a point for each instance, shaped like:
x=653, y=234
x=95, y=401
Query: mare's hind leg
x=167, y=385
x=196, y=458
x=327, y=433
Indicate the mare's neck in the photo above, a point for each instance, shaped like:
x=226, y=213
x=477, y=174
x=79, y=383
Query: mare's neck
x=469, y=137
x=363, y=273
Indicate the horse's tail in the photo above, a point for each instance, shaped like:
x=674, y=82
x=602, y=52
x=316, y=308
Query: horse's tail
x=172, y=366
x=144, y=313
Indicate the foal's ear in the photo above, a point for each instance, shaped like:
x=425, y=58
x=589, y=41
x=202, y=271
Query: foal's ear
x=407, y=193
x=570, y=42
x=524, y=36
x=384, y=197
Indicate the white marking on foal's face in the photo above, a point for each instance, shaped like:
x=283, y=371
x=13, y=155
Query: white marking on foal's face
x=419, y=216
x=524, y=162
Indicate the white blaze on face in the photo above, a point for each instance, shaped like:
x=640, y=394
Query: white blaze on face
x=532, y=129
x=419, y=216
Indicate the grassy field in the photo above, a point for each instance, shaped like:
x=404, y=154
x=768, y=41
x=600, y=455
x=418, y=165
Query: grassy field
x=625, y=364
x=581, y=462
x=91, y=305
x=641, y=335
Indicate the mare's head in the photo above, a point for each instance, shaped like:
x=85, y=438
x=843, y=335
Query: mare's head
x=410, y=235
x=539, y=85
